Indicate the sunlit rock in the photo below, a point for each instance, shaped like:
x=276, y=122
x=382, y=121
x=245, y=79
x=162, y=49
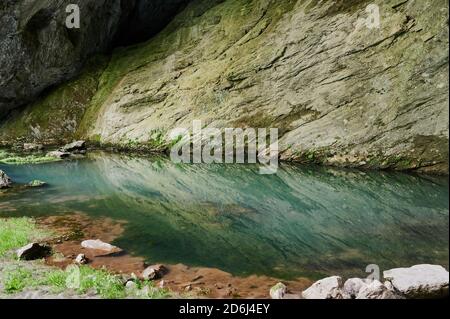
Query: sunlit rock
x=420, y=281
x=327, y=288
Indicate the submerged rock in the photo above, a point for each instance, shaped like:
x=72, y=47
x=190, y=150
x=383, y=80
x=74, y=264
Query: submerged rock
x=327, y=288
x=420, y=281
x=99, y=245
x=154, y=272
x=33, y=251
x=278, y=291
x=5, y=181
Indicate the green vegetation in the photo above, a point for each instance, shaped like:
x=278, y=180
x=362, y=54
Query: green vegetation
x=156, y=140
x=82, y=280
x=16, y=280
x=17, y=232
x=57, y=115
x=16, y=159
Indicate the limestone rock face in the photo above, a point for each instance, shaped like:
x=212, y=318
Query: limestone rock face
x=420, y=281
x=37, y=50
x=340, y=90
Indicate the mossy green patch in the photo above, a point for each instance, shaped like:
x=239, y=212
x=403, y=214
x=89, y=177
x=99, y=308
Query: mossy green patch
x=21, y=159
x=54, y=118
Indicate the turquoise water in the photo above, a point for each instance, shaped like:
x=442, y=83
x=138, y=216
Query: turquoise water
x=303, y=221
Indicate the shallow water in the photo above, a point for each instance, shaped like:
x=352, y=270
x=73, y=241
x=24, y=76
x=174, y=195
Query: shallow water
x=303, y=221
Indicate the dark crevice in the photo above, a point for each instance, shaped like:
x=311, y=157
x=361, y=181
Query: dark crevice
x=145, y=18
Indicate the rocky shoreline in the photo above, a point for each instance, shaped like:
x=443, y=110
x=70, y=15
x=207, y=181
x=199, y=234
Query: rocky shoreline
x=77, y=148
x=416, y=282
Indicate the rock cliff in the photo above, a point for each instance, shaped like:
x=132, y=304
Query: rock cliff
x=37, y=50
x=341, y=91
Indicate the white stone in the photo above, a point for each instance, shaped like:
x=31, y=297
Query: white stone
x=98, y=245
x=130, y=285
x=81, y=259
x=420, y=281
x=376, y=290
x=278, y=291
x=327, y=288
x=353, y=285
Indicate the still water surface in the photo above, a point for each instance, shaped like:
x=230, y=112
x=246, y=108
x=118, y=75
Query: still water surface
x=303, y=221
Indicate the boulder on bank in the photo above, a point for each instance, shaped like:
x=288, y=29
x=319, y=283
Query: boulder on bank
x=97, y=244
x=5, y=181
x=328, y=288
x=33, y=251
x=75, y=147
x=81, y=259
x=278, y=291
x=376, y=290
x=353, y=286
x=58, y=154
x=154, y=272
x=420, y=281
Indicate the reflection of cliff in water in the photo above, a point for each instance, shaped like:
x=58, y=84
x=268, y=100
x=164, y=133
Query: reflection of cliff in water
x=304, y=220
x=314, y=218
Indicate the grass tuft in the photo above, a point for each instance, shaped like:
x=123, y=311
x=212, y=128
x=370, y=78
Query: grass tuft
x=17, y=232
